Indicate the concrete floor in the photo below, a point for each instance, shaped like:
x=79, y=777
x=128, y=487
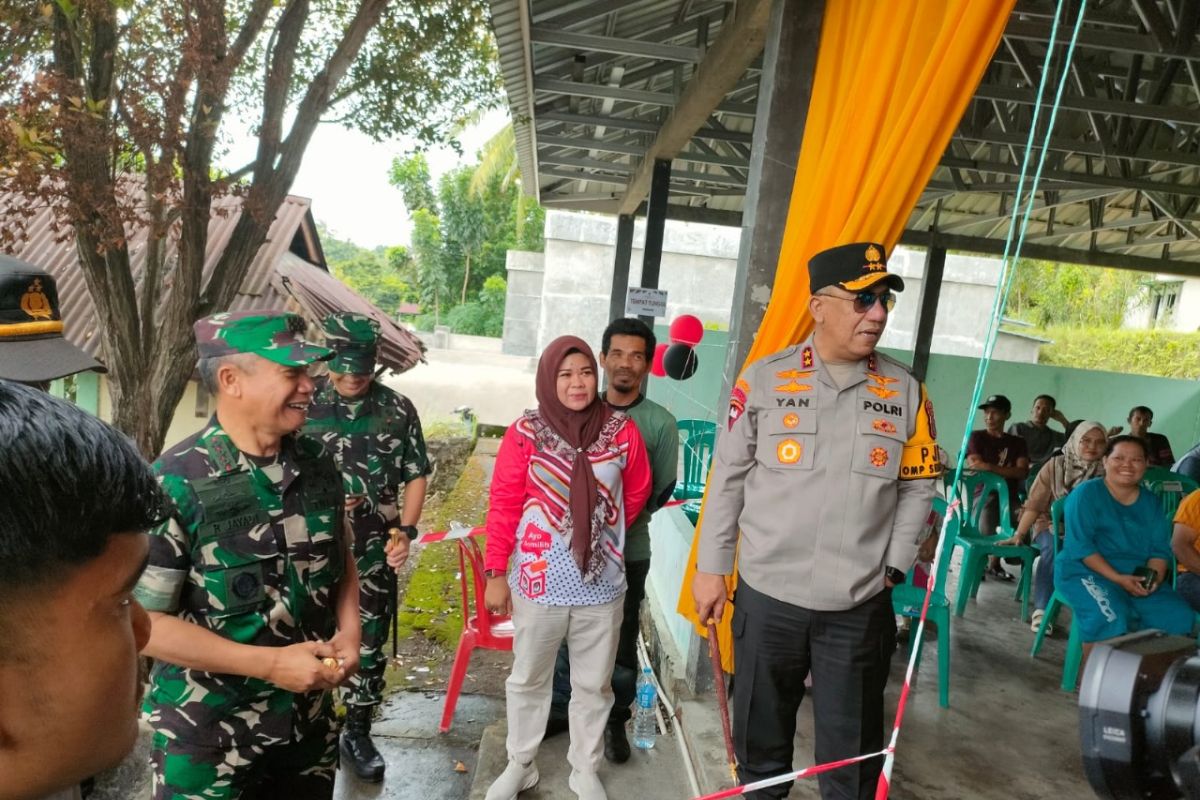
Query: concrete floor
x=497, y=387
x=1010, y=732
x=421, y=761
x=656, y=774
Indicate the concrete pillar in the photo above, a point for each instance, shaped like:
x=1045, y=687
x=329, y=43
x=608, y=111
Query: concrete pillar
x=620, y=282
x=931, y=289
x=789, y=60
x=656, y=222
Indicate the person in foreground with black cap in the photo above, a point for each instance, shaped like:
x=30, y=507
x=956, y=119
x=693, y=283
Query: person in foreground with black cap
x=32, y=348
x=993, y=450
x=821, y=485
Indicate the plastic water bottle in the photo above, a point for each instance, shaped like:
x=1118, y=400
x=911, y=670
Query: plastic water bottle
x=644, y=729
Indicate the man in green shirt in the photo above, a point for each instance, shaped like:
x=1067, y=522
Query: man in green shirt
x=626, y=352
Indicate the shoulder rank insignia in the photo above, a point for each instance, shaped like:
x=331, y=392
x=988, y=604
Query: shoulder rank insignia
x=881, y=393
x=806, y=358
x=872, y=362
x=737, y=400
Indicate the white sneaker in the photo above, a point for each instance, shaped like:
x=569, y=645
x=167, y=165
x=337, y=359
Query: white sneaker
x=587, y=785
x=516, y=778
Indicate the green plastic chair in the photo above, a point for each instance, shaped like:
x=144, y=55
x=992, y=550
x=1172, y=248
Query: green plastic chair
x=1074, y=655
x=908, y=599
x=977, y=547
x=1169, y=487
x=698, y=438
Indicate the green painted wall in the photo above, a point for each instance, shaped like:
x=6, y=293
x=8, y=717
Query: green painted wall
x=82, y=389
x=1082, y=394
x=699, y=396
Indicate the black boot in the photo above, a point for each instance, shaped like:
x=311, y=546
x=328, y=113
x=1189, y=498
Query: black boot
x=616, y=745
x=357, y=747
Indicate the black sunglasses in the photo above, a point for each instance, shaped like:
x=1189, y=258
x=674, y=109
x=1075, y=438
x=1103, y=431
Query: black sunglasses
x=866, y=298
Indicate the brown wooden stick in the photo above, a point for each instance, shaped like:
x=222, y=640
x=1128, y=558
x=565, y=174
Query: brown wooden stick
x=714, y=652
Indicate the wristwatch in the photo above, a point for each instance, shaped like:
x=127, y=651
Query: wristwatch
x=493, y=573
x=409, y=530
x=894, y=575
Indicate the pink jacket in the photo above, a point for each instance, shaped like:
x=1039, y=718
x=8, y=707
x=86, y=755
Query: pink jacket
x=528, y=509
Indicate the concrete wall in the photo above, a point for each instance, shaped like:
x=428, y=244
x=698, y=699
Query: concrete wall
x=523, y=304
x=442, y=339
x=1185, y=317
x=697, y=271
x=964, y=308
x=574, y=279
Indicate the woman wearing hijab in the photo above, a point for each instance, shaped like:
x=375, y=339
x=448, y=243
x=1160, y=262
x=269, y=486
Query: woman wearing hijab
x=1079, y=461
x=569, y=476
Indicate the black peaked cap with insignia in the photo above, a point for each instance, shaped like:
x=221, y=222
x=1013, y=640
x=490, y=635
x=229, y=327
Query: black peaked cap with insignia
x=32, y=347
x=852, y=267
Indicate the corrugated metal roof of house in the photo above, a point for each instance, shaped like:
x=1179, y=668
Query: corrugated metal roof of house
x=320, y=293
x=53, y=250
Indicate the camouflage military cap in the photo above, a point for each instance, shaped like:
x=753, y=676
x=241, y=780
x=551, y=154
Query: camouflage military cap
x=353, y=339
x=275, y=335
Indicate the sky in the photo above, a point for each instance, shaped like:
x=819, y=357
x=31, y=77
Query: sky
x=345, y=174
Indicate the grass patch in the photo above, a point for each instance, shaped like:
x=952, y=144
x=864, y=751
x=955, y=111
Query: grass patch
x=431, y=602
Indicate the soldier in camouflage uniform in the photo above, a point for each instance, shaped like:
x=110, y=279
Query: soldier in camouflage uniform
x=252, y=595
x=375, y=436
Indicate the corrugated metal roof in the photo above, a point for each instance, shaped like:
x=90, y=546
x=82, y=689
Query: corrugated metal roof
x=1121, y=184
x=320, y=293
x=54, y=251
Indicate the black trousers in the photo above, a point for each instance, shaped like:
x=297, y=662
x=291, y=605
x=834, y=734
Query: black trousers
x=625, y=671
x=775, y=646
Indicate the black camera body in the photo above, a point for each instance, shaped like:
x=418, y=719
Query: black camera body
x=1139, y=717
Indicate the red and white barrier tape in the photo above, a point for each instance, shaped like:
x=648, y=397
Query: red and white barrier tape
x=889, y=752
x=457, y=531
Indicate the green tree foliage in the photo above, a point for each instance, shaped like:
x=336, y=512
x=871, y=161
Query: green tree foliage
x=1138, y=352
x=1046, y=294
x=383, y=275
x=463, y=232
x=113, y=113
x=411, y=176
x=482, y=317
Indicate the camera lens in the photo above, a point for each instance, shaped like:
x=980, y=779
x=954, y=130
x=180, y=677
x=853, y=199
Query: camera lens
x=1172, y=718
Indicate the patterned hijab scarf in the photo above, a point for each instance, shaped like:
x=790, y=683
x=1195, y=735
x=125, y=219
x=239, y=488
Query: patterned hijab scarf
x=580, y=430
x=1070, y=469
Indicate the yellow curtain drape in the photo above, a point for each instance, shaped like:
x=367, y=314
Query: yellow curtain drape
x=892, y=81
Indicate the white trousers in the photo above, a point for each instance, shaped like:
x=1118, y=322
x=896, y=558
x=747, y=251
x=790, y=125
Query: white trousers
x=591, y=633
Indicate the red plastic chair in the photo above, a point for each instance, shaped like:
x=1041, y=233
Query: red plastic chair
x=481, y=628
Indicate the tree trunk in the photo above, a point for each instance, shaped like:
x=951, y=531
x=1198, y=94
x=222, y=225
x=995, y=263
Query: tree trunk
x=466, y=278
x=151, y=352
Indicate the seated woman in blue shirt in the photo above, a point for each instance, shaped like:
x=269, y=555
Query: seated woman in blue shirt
x=1114, y=526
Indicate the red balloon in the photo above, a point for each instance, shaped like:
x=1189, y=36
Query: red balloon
x=687, y=330
x=656, y=366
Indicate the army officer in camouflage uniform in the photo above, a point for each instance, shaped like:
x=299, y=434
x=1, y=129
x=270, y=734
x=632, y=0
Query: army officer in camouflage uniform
x=375, y=436
x=253, y=598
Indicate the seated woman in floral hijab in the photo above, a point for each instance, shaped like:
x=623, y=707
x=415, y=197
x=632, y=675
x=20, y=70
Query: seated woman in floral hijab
x=1079, y=461
x=569, y=476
